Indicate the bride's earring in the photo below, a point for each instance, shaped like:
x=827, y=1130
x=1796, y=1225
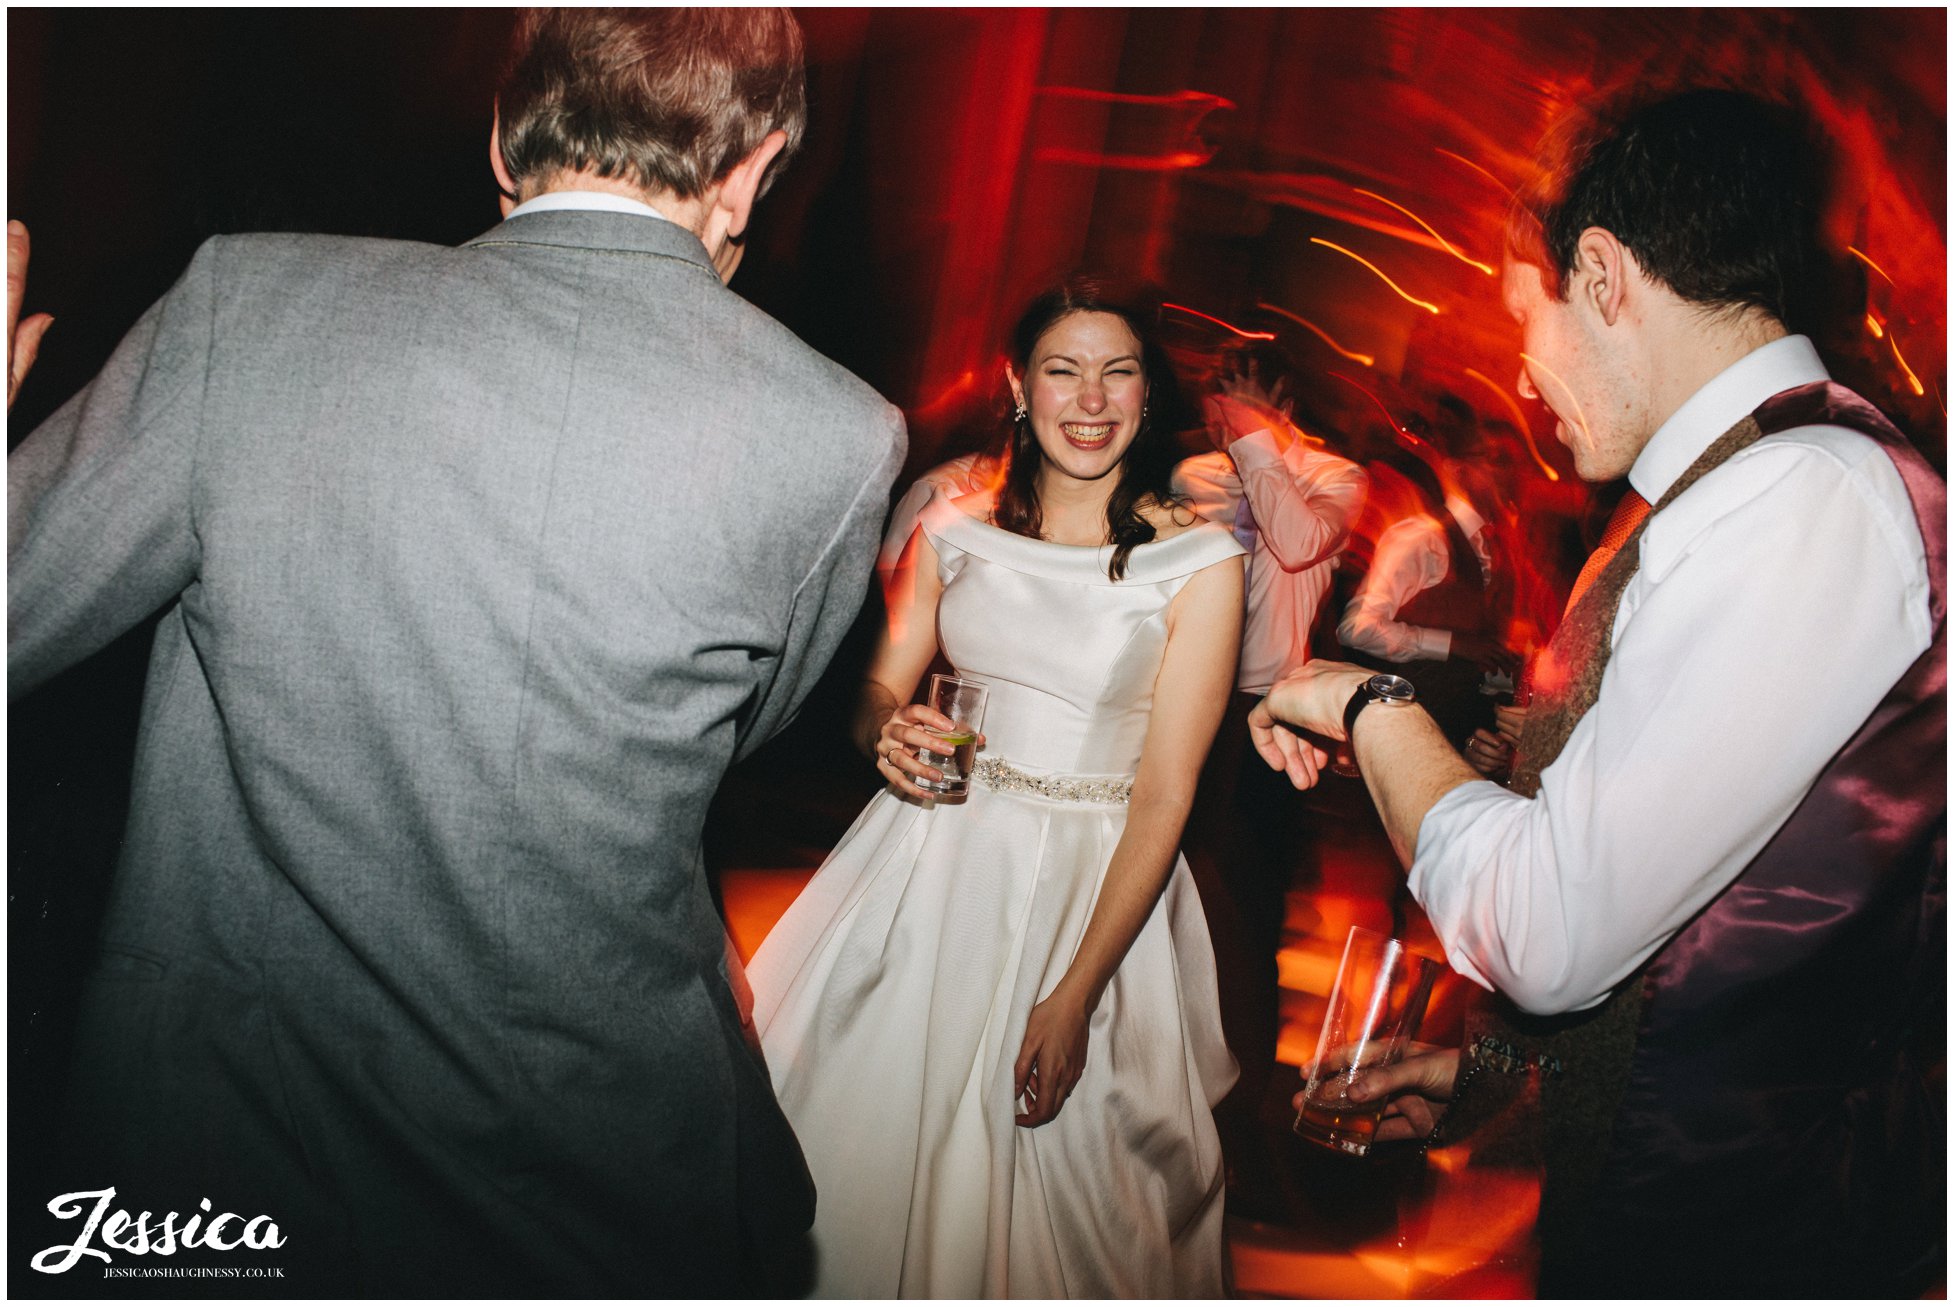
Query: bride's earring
x=1020, y=415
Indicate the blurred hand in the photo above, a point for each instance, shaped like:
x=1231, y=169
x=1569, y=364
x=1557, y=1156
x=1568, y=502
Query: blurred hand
x=1418, y=1089
x=1051, y=1059
x=23, y=338
x=1509, y=720
x=1490, y=754
x=1239, y=406
x=1489, y=654
x=908, y=729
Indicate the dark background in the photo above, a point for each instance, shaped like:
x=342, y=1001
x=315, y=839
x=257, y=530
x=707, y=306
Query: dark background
x=954, y=161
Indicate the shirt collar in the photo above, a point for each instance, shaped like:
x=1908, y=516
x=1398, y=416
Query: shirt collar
x=603, y=200
x=1727, y=399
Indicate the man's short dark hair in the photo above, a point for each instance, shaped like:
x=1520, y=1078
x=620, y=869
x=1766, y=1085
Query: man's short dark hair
x=1717, y=194
x=664, y=99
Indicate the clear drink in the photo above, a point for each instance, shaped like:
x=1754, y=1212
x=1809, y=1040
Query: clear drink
x=1373, y=1012
x=1331, y=1119
x=963, y=703
x=955, y=762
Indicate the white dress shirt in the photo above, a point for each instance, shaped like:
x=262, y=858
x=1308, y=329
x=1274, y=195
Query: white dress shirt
x=1413, y=555
x=604, y=201
x=1303, y=502
x=1777, y=601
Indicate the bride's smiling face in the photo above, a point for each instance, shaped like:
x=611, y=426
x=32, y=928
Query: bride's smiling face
x=1085, y=391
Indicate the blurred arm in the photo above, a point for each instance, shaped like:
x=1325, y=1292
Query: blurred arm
x=825, y=603
x=101, y=528
x=1411, y=558
x=1303, y=500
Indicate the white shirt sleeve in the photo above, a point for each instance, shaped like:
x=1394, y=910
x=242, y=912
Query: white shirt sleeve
x=1304, y=501
x=1777, y=602
x=1412, y=557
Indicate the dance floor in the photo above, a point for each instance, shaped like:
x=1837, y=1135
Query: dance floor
x=1323, y=1225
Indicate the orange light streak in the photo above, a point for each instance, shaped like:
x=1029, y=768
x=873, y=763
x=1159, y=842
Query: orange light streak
x=1912, y=380
x=1444, y=244
x=1321, y=334
x=1872, y=325
x=1245, y=335
x=1520, y=422
x=1869, y=263
x=1481, y=171
x=1402, y=293
x=1404, y=436
x=1587, y=432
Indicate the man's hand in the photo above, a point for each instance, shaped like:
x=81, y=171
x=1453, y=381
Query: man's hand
x=1418, y=1090
x=1489, y=654
x=1239, y=407
x=1308, y=701
x=1490, y=755
x=23, y=338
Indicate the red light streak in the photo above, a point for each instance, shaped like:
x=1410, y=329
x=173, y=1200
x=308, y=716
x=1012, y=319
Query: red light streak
x=1206, y=102
x=1245, y=335
x=1869, y=263
x=1129, y=162
x=1481, y=171
x=1408, y=298
x=1406, y=438
x=1872, y=325
x=1322, y=335
x=1189, y=151
x=1444, y=244
x=1520, y=422
x=1587, y=432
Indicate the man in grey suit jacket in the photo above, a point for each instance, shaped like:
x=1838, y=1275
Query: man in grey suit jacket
x=482, y=566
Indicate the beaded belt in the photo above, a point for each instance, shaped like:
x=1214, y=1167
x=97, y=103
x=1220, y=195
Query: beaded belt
x=1000, y=775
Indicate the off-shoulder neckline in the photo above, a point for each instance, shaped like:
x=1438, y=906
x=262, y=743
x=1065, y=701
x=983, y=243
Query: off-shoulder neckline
x=1181, y=554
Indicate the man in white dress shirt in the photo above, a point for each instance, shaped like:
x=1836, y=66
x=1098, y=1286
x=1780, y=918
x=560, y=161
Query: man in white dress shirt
x=1434, y=604
x=1722, y=870
x=1291, y=503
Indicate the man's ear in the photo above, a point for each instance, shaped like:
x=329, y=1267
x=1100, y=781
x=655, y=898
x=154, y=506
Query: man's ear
x=741, y=187
x=503, y=181
x=1602, y=267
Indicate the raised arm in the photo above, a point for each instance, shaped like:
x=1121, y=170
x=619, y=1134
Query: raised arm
x=100, y=532
x=1191, y=690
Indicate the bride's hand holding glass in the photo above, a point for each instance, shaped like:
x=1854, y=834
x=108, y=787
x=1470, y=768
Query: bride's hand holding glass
x=906, y=731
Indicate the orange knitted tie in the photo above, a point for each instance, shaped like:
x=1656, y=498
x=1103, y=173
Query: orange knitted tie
x=1628, y=515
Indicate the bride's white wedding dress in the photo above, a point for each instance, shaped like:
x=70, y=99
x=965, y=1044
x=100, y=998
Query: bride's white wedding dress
x=891, y=999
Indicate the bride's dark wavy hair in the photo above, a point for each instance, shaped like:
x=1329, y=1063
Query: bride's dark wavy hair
x=1146, y=473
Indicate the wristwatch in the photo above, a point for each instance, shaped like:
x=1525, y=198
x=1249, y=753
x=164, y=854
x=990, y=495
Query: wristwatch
x=1384, y=688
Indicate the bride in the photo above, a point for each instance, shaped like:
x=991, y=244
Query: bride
x=993, y=1023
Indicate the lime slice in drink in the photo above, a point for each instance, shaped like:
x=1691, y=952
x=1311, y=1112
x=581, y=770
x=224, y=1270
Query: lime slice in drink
x=958, y=738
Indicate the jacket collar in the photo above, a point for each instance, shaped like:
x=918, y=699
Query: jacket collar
x=595, y=229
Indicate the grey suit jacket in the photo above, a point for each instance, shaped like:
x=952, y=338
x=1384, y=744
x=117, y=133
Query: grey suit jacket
x=484, y=564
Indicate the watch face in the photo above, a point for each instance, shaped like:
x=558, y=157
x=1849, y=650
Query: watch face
x=1391, y=689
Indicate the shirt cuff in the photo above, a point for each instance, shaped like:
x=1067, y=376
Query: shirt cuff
x=1255, y=450
x=1431, y=643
